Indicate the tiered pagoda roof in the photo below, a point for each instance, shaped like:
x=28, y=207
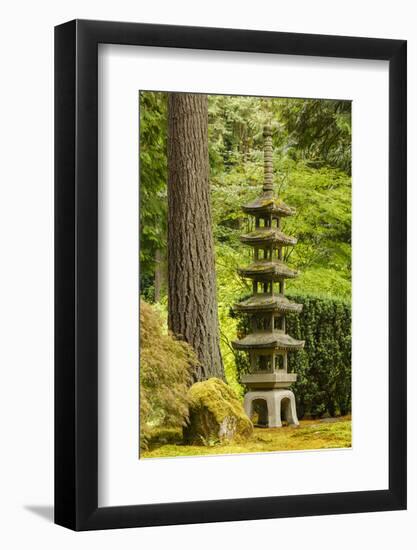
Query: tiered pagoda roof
x=268, y=308
x=268, y=205
x=268, y=270
x=268, y=235
x=265, y=302
x=271, y=340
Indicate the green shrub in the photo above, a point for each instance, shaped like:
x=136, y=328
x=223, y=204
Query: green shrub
x=165, y=375
x=324, y=365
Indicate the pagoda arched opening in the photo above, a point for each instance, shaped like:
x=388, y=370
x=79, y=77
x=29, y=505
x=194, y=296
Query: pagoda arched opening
x=286, y=411
x=259, y=412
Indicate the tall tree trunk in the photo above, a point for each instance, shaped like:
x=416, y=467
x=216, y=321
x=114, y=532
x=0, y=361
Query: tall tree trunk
x=192, y=302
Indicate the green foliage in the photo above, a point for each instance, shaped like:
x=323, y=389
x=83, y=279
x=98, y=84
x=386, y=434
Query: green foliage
x=165, y=375
x=319, y=131
x=322, y=282
x=322, y=224
x=153, y=183
x=324, y=366
x=235, y=130
x=229, y=286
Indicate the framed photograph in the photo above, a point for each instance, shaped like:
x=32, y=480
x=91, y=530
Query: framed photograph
x=230, y=284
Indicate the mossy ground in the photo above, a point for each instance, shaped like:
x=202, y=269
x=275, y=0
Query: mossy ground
x=311, y=434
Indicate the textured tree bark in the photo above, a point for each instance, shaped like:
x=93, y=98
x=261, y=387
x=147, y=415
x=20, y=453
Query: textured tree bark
x=192, y=302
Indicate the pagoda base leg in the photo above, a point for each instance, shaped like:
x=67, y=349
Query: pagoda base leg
x=280, y=405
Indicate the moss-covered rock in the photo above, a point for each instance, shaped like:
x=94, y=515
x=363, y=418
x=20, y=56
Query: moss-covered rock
x=215, y=414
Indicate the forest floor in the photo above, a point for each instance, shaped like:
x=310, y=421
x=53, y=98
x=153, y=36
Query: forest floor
x=328, y=433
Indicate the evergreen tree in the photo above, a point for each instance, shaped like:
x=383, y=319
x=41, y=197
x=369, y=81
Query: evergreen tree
x=192, y=301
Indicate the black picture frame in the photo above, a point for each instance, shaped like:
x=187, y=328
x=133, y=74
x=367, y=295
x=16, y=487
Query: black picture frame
x=76, y=272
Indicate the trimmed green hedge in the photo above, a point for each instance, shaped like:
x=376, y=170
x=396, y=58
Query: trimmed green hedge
x=324, y=365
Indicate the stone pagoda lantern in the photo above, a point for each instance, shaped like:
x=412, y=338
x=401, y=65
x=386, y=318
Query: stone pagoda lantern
x=267, y=343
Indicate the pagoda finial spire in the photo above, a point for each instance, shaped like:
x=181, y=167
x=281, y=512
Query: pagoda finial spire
x=268, y=187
